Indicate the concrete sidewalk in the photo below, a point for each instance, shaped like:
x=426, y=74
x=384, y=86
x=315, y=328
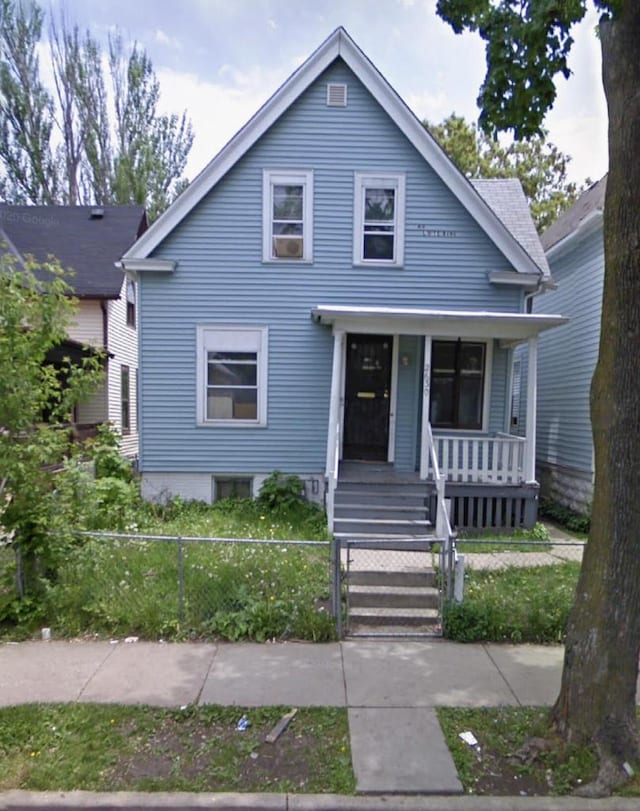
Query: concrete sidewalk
x=391, y=689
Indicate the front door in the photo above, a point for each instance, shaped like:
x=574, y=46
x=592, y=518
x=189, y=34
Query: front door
x=367, y=397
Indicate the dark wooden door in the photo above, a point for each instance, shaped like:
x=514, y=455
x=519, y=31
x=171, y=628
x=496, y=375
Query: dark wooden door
x=367, y=397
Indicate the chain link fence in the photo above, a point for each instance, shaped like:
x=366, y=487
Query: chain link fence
x=498, y=554
x=178, y=587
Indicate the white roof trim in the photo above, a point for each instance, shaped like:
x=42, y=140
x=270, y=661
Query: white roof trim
x=509, y=277
x=147, y=265
x=337, y=44
x=444, y=323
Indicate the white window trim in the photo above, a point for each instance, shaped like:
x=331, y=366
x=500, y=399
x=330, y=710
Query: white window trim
x=292, y=177
x=486, y=394
x=205, y=340
x=361, y=182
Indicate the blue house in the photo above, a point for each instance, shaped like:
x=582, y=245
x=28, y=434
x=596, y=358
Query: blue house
x=567, y=357
x=332, y=298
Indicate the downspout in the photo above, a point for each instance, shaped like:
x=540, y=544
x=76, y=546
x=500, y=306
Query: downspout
x=105, y=343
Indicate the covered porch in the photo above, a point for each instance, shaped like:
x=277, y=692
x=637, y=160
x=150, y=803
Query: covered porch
x=450, y=397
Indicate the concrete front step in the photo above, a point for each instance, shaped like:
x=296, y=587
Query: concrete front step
x=389, y=631
x=384, y=617
x=420, y=597
x=409, y=577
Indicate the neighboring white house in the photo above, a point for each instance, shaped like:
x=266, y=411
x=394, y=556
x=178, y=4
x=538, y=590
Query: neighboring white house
x=89, y=240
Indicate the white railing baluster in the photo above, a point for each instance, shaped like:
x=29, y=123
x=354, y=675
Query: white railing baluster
x=487, y=459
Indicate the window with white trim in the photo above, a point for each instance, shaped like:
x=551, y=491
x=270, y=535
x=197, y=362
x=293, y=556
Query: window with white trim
x=379, y=219
x=131, y=303
x=287, y=200
x=232, y=375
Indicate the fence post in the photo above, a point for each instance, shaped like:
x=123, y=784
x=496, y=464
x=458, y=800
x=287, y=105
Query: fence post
x=458, y=579
x=336, y=601
x=180, y=581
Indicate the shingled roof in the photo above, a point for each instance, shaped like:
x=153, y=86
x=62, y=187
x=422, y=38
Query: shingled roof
x=590, y=203
x=507, y=199
x=87, y=239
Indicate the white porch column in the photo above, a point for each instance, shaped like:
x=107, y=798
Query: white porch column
x=426, y=387
x=334, y=402
x=532, y=386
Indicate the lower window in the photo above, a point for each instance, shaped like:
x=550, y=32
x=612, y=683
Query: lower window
x=232, y=375
x=231, y=487
x=457, y=384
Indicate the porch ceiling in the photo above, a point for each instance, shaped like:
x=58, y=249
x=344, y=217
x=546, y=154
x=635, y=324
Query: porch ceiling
x=445, y=323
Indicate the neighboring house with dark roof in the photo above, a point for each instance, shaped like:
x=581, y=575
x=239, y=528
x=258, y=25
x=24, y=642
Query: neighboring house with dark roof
x=332, y=298
x=567, y=357
x=89, y=241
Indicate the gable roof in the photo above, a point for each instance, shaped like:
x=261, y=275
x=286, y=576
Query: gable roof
x=340, y=45
x=588, y=208
x=79, y=237
x=507, y=198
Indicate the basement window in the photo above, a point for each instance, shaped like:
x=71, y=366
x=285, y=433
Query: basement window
x=232, y=487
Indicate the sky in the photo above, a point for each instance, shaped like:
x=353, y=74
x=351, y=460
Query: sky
x=221, y=59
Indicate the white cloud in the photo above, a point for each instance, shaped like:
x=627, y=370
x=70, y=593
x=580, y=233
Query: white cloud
x=162, y=38
x=217, y=109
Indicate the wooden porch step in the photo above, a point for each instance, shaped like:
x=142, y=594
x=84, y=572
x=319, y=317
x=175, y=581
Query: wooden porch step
x=382, y=526
x=384, y=511
x=420, y=542
x=383, y=597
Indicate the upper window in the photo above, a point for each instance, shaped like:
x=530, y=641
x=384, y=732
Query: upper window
x=457, y=384
x=232, y=375
x=131, y=303
x=379, y=219
x=287, y=216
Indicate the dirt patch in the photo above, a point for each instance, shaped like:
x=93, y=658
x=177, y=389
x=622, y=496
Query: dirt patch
x=213, y=754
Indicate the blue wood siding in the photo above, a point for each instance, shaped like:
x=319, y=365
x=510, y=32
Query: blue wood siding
x=220, y=279
x=567, y=356
x=408, y=403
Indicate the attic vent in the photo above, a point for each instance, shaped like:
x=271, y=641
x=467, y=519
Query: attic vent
x=96, y=214
x=336, y=95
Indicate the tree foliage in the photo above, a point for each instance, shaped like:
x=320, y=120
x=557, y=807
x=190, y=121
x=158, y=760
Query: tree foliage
x=37, y=398
x=539, y=165
x=527, y=46
x=97, y=136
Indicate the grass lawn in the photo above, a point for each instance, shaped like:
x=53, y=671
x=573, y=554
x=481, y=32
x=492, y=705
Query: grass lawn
x=63, y=747
x=514, y=605
x=155, y=590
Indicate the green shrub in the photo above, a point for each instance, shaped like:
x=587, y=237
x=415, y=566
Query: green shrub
x=280, y=492
x=513, y=605
x=572, y=521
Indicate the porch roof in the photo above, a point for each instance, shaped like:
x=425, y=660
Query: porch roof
x=511, y=327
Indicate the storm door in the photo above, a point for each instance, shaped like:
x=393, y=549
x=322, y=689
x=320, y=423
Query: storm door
x=367, y=397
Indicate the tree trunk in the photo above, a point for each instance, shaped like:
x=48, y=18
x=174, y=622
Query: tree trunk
x=597, y=701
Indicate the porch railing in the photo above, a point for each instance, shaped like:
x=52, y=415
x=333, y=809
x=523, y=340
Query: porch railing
x=497, y=459
x=444, y=533
x=332, y=478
